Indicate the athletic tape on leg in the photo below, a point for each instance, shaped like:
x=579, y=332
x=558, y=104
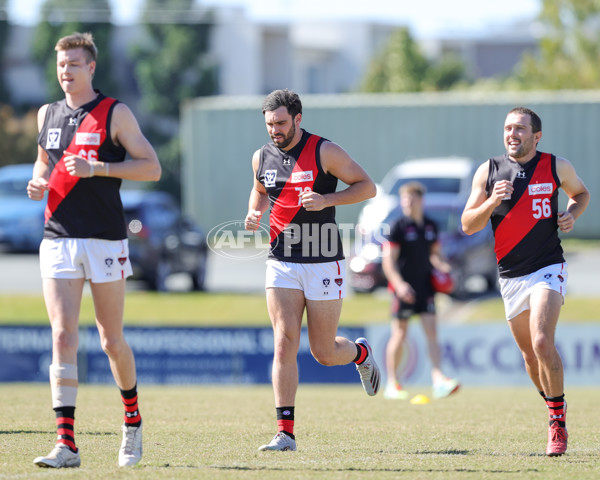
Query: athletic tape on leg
x=63, y=382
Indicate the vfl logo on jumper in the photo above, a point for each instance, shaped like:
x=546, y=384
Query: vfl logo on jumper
x=299, y=177
x=270, y=177
x=521, y=175
x=540, y=189
x=53, y=138
x=82, y=138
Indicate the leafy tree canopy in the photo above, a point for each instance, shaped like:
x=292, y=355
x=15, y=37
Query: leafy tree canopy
x=63, y=17
x=172, y=64
x=401, y=67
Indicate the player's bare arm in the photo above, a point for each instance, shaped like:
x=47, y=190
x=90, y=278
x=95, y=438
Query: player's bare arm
x=389, y=262
x=259, y=200
x=125, y=131
x=579, y=196
x=436, y=257
x=479, y=207
x=337, y=162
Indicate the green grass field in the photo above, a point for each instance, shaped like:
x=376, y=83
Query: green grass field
x=234, y=309
x=210, y=432
x=213, y=432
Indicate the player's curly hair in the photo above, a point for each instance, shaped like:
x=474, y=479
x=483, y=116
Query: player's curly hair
x=283, y=98
x=79, y=40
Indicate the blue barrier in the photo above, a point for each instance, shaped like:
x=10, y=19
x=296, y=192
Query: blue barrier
x=168, y=356
x=476, y=354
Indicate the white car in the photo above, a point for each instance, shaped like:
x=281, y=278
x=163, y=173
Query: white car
x=438, y=174
x=448, y=182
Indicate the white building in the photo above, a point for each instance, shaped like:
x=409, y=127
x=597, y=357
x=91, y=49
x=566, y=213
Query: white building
x=256, y=58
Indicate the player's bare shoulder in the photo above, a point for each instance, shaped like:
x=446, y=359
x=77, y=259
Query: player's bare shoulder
x=123, y=124
x=41, y=116
x=333, y=157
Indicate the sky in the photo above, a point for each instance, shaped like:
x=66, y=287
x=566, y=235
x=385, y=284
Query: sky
x=423, y=17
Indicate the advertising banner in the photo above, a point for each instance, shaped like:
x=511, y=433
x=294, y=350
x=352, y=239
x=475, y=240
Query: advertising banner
x=477, y=355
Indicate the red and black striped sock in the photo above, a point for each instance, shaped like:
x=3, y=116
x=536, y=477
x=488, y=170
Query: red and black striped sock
x=285, y=420
x=556, y=410
x=132, y=415
x=361, y=353
x=65, y=419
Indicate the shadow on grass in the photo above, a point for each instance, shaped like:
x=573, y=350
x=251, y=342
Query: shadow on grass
x=48, y=432
x=443, y=452
x=352, y=469
x=27, y=432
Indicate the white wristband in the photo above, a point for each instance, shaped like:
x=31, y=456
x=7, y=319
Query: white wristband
x=107, y=168
x=91, y=169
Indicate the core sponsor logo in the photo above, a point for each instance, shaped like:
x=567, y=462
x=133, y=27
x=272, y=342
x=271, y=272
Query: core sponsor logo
x=299, y=177
x=85, y=138
x=540, y=189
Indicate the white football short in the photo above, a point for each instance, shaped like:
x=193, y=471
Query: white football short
x=516, y=291
x=318, y=281
x=99, y=261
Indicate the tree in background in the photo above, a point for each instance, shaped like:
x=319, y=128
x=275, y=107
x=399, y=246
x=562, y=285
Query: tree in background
x=172, y=65
x=568, y=50
x=3, y=40
x=17, y=136
x=63, y=17
x=401, y=67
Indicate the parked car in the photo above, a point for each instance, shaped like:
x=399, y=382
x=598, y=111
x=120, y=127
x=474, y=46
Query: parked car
x=448, y=182
x=452, y=175
x=161, y=240
x=470, y=255
x=21, y=219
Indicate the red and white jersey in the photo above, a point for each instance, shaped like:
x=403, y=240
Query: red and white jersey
x=82, y=207
x=298, y=235
x=525, y=226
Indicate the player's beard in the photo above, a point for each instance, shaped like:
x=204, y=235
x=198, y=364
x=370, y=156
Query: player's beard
x=524, y=148
x=287, y=139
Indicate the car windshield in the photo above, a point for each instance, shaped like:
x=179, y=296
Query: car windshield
x=13, y=187
x=432, y=184
x=445, y=217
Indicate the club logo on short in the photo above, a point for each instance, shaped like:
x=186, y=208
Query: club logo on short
x=561, y=278
x=339, y=281
x=270, y=177
x=326, y=282
x=122, y=260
